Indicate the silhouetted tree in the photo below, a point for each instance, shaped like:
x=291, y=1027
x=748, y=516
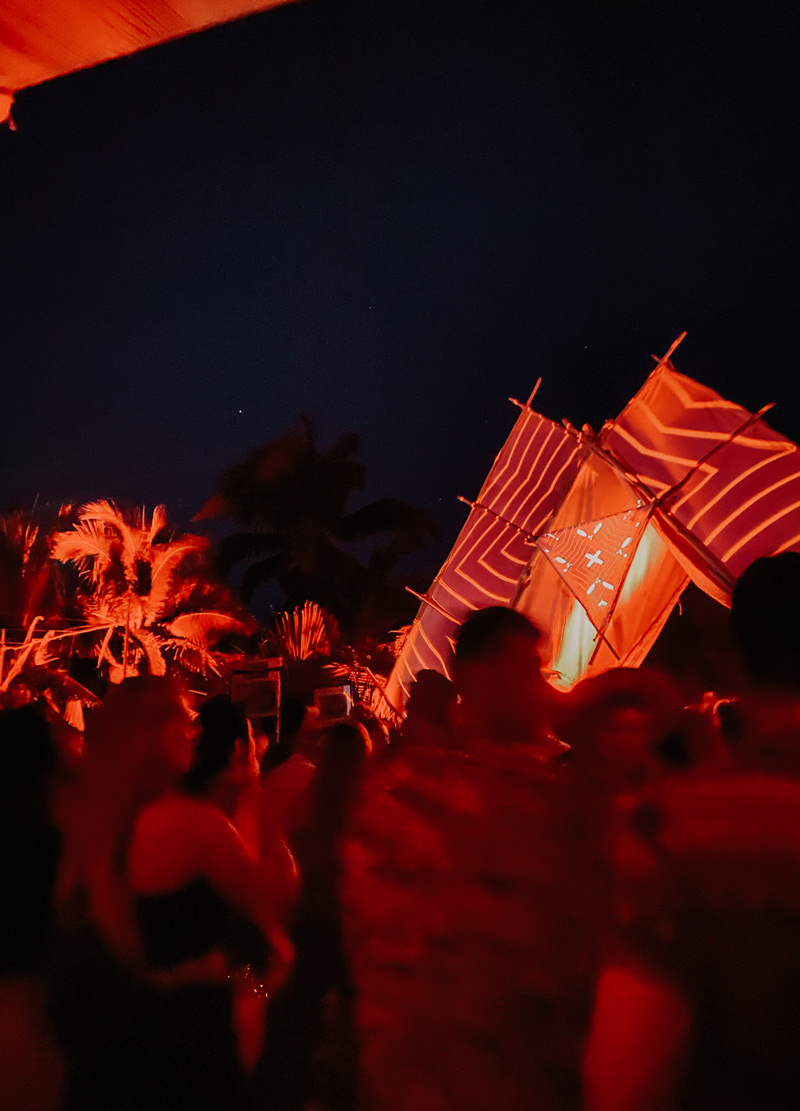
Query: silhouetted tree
x=291, y=500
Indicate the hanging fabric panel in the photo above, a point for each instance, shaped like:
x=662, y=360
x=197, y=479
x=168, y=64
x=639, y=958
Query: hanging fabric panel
x=593, y=558
x=43, y=39
x=581, y=636
x=526, y=484
x=737, y=479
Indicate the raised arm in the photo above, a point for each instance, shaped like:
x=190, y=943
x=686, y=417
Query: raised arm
x=637, y=1041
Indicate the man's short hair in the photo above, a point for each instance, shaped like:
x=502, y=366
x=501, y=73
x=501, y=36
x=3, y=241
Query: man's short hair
x=487, y=631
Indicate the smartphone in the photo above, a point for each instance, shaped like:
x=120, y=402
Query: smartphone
x=334, y=703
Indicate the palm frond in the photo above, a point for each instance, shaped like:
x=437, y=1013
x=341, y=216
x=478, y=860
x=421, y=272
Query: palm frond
x=87, y=547
x=306, y=632
x=166, y=562
x=158, y=522
x=193, y=657
x=413, y=527
x=61, y=686
x=19, y=662
x=206, y=628
x=264, y=571
x=151, y=646
x=42, y=648
x=112, y=518
x=240, y=546
x=215, y=507
x=73, y=715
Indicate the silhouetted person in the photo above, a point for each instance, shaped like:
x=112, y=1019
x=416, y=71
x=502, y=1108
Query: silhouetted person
x=765, y=612
x=169, y=902
x=30, y=846
x=223, y=757
x=698, y=1006
x=429, y=710
x=225, y=773
x=314, y=1011
x=463, y=945
x=497, y=674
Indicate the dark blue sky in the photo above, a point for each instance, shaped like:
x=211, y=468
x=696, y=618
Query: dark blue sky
x=391, y=216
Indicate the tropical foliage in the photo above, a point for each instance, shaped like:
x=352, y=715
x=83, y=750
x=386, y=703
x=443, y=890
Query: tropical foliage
x=291, y=500
x=315, y=654
x=94, y=594
x=147, y=594
x=29, y=584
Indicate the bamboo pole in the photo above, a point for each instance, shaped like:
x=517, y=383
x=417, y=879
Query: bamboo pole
x=527, y=404
x=673, y=346
x=485, y=508
x=434, y=605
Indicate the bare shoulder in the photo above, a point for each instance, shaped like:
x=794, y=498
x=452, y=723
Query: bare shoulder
x=170, y=842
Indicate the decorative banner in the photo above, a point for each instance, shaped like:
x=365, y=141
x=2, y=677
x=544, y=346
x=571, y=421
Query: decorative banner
x=737, y=480
x=683, y=483
x=526, y=484
x=593, y=558
x=43, y=39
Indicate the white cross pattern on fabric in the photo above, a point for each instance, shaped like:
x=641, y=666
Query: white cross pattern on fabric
x=579, y=567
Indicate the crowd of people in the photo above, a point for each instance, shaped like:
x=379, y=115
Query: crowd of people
x=520, y=899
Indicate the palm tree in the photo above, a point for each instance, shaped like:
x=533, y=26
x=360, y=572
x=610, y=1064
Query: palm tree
x=36, y=630
x=29, y=584
x=146, y=593
x=291, y=500
x=314, y=654
x=35, y=670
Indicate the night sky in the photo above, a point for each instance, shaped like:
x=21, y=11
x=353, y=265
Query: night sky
x=391, y=216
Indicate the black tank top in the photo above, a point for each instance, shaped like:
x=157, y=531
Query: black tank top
x=193, y=921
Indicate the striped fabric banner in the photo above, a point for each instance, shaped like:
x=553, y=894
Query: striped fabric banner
x=739, y=492
x=525, y=486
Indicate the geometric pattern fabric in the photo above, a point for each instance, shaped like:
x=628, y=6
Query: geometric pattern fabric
x=526, y=484
x=738, y=480
x=593, y=558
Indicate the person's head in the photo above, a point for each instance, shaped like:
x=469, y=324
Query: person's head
x=432, y=698
x=143, y=731
x=225, y=745
x=138, y=745
x=344, y=749
x=497, y=675
x=765, y=612
x=628, y=726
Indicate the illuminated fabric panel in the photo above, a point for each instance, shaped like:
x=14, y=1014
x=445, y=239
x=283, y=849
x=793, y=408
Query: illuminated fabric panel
x=42, y=39
x=593, y=558
x=740, y=502
x=526, y=484
x=644, y=593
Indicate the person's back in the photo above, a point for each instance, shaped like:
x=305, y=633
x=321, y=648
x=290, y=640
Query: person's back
x=30, y=846
x=468, y=947
x=707, y=952
x=312, y=1016
x=708, y=913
